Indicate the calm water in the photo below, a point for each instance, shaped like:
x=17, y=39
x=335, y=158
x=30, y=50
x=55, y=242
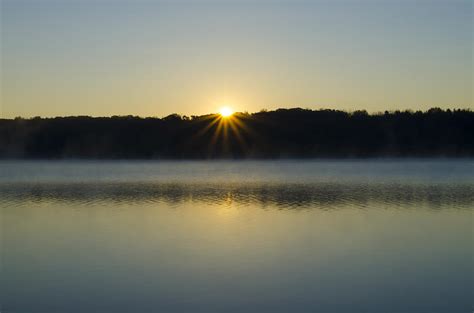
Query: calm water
x=283, y=236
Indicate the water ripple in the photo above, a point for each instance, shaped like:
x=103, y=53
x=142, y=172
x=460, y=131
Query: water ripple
x=282, y=195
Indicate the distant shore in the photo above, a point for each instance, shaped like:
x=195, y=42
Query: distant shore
x=281, y=134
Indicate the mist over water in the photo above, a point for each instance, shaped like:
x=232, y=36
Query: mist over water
x=237, y=236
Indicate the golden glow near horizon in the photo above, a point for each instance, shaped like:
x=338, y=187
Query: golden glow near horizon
x=226, y=111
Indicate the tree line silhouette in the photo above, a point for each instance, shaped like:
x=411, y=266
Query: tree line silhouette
x=283, y=133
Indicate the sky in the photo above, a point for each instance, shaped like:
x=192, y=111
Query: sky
x=155, y=58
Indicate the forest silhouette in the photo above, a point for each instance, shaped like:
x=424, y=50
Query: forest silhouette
x=283, y=133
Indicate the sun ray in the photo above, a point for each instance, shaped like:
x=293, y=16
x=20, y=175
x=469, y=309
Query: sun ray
x=208, y=126
x=228, y=128
x=243, y=126
x=215, y=136
x=225, y=134
x=239, y=137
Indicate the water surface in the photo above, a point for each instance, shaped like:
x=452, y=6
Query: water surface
x=237, y=236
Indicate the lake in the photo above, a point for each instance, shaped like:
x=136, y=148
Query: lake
x=237, y=236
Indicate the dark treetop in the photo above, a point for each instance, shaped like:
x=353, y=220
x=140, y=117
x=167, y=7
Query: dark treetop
x=284, y=133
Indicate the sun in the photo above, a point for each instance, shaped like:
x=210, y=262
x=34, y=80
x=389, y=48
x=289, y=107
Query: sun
x=226, y=111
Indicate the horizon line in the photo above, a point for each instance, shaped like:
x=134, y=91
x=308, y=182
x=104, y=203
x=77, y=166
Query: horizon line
x=372, y=113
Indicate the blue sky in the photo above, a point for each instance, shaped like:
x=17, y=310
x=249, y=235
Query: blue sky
x=154, y=58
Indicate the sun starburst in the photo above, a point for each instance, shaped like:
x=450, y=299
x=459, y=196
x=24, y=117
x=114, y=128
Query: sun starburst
x=226, y=111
